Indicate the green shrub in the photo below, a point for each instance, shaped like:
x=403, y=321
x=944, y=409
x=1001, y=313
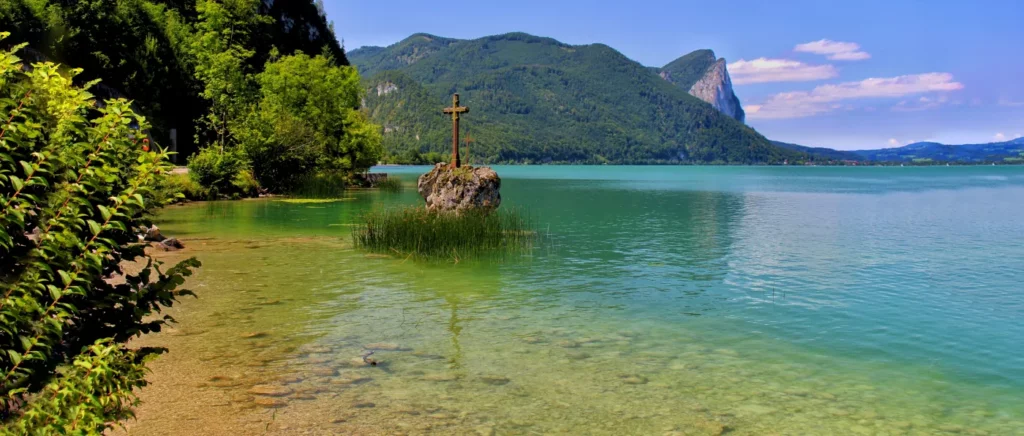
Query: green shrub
x=443, y=235
x=245, y=184
x=76, y=181
x=217, y=170
x=179, y=187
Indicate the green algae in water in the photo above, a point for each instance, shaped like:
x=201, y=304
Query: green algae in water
x=313, y=200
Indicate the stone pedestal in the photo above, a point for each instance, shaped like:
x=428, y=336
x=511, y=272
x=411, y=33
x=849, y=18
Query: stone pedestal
x=446, y=189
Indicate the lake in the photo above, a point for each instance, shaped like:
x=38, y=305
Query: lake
x=656, y=300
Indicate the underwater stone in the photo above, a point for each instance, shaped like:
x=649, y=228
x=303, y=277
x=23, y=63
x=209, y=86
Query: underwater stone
x=270, y=390
x=383, y=346
x=270, y=402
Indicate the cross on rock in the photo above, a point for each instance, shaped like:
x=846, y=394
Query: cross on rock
x=455, y=110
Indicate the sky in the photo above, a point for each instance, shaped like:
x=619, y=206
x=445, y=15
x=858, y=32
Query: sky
x=845, y=75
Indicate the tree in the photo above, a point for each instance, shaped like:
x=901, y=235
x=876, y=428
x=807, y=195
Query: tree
x=221, y=49
x=77, y=179
x=307, y=120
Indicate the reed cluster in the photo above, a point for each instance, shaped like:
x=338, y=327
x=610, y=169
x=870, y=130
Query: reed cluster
x=415, y=231
x=390, y=184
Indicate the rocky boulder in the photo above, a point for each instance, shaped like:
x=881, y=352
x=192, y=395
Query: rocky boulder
x=447, y=189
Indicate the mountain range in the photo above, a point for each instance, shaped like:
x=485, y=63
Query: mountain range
x=924, y=153
x=536, y=100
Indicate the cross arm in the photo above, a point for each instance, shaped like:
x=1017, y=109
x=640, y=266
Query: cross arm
x=457, y=110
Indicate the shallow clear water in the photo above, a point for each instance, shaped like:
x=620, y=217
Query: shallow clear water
x=660, y=300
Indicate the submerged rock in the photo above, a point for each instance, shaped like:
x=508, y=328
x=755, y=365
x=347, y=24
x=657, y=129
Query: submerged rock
x=269, y=402
x=270, y=390
x=457, y=189
x=383, y=346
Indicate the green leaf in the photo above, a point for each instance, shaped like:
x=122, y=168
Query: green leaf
x=27, y=167
x=64, y=277
x=94, y=227
x=18, y=183
x=55, y=291
x=104, y=212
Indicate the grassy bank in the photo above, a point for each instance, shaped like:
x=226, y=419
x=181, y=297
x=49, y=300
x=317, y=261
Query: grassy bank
x=418, y=232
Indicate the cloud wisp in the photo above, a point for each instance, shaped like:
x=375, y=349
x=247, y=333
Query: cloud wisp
x=826, y=98
x=764, y=70
x=834, y=50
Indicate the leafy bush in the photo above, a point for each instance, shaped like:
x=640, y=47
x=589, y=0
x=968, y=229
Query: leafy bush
x=307, y=121
x=443, y=235
x=174, y=188
x=76, y=181
x=217, y=170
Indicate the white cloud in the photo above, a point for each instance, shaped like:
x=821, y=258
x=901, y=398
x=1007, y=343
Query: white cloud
x=999, y=137
x=834, y=50
x=764, y=70
x=823, y=98
x=893, y=142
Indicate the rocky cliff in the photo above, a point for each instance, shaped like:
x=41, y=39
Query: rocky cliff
x=706, y=78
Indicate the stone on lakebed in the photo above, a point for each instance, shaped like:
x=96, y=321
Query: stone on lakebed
x=449, y=189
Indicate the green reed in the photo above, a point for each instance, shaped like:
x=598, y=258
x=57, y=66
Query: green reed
x=414, y=231
x=390, y=184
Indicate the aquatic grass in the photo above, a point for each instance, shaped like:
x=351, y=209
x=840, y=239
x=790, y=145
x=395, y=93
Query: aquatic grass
x=415, y=231
x=390, y=184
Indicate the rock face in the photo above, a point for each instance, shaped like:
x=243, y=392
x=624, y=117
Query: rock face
x=707, y=78
x=446, y=189
x=716, y=88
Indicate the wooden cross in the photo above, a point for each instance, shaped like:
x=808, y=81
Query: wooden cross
x=455, y=110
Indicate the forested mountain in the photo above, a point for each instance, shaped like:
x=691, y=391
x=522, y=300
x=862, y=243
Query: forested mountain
x=141, y=49
x=535, y=99
x=924, y=152
x=822, y=153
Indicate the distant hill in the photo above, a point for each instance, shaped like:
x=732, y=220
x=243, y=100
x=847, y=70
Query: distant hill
x=535, y=99
x=821, y=153
x=1008, y=152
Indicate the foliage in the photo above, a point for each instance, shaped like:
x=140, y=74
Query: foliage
x=146, y=50
x=221, y=52
x=174, y=188
x=77, y=179
x=535, y=100
x=307, y=120
x=443, y=235
x=217, y=170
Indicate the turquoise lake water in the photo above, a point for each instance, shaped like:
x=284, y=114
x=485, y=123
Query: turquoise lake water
x=658, y=300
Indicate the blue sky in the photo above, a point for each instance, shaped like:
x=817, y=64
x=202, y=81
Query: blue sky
x=864, y=74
